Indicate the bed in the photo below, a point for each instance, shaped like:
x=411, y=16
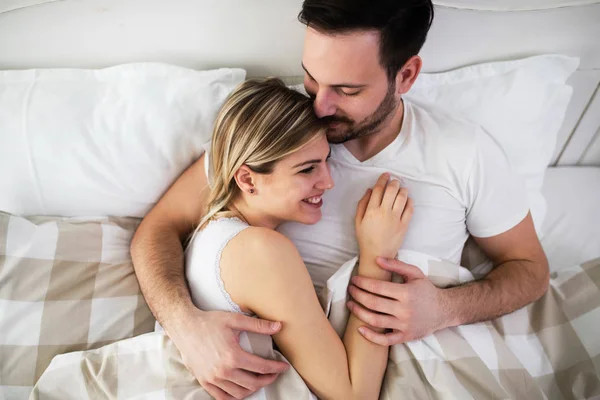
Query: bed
x=75, y=188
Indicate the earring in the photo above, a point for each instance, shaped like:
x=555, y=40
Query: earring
x=251, y=191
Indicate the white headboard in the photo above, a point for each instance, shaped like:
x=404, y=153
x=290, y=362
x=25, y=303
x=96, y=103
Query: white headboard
x=265, y=38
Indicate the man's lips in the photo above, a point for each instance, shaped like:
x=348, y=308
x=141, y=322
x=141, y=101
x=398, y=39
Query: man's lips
x=336, y=123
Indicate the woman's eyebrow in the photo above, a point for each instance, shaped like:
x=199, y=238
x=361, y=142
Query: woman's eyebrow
x=315, y=161
x=307, y=162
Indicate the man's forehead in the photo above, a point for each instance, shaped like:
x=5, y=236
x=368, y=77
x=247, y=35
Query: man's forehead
x=352, y=56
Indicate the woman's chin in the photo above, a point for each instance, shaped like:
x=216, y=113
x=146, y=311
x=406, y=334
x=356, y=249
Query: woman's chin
x=310, y=219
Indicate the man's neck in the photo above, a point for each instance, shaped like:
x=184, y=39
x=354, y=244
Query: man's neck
x=367, y=147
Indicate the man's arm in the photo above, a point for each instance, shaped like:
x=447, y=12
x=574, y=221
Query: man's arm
x=208, y=341
x=417, y=308
x=520, y=276
x=156, y=248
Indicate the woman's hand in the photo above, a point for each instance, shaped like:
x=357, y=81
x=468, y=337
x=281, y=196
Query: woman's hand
x=382, y=218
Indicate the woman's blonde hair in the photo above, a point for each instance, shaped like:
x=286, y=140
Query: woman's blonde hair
x=260, y=123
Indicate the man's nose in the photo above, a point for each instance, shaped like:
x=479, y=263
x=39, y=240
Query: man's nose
x=324, y=105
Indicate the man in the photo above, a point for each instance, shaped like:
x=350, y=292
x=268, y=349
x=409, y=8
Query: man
x=359, y=58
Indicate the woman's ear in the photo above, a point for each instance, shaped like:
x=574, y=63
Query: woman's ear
x=407, y=75
x=244, y=177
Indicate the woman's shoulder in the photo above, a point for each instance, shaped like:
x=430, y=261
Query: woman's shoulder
x=259, y=242
x=260, y=264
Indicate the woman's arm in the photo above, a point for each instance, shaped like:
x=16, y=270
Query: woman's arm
x=264, y=273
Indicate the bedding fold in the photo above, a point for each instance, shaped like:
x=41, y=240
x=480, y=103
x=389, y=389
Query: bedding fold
x=547, y=350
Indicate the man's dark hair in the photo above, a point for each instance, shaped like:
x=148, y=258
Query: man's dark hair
x=402, y=24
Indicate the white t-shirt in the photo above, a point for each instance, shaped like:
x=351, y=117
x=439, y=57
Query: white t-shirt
x=457, y=176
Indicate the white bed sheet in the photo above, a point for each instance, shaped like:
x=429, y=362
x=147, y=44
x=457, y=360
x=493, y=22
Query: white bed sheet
x=571, y=231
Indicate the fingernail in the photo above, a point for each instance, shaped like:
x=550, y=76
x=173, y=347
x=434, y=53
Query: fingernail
x=349, y=305
x=361, y=330
x=353, y=279
x=275, y=325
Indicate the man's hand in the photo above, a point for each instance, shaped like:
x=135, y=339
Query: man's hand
x=411, y=310
x=417, y=308
x=209, y=344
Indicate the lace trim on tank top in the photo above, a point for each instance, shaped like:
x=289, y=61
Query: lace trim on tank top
x=220, y=282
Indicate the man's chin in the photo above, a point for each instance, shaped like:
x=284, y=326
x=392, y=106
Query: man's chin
x=337, y=135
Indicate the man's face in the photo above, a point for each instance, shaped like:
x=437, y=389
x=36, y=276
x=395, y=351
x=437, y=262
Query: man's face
x=343, y=74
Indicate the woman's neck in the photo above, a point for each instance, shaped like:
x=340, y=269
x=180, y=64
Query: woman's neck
x=251, y=216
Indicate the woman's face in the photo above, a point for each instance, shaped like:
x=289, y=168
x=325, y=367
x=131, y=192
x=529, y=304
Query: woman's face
x=292, y=192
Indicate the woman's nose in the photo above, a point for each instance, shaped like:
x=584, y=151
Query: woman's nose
x=326, y=181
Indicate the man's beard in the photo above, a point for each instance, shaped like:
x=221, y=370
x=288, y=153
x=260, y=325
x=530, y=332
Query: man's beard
x=370, y=125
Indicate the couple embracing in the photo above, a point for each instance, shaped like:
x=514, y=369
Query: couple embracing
x=294, y=186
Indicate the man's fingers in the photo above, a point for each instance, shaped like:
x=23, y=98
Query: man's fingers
x=382, y=339
x=372, y=301
x=371, y=318
x=401, y=268
x=378, y=190
x=253, y=363
x=251, y=381
x=250, y=324
x=381, y=288
x=263, y=380
x=248, y=380
x=234, y=390
x=216, y=392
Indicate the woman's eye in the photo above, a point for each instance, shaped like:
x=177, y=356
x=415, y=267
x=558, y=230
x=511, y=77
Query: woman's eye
x=307, y=170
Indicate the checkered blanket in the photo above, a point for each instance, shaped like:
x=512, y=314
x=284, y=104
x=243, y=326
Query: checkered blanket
x=65, y=285
x=547, y=350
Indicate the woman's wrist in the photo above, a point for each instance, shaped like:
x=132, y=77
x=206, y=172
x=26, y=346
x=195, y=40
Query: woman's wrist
x=368, y=267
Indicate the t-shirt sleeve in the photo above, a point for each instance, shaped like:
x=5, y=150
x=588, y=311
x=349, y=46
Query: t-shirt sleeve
x=496, y=195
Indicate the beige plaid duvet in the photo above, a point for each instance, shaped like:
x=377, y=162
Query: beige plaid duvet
x=548, y=350
x=65, y=285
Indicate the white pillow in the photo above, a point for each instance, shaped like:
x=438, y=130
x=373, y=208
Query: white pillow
x=102, y=142
x=521, y=104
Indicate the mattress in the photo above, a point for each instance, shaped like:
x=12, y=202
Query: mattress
x=571, y=230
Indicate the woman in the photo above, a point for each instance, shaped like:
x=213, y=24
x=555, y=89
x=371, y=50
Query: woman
x=268, y=164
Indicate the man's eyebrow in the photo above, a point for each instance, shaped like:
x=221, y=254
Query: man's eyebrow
x=305, y=70
x=337, y=85
x=315, y=161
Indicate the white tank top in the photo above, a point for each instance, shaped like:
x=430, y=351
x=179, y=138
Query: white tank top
x=203, y=264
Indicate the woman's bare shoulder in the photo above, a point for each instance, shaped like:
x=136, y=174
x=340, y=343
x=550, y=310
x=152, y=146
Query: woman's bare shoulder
x=259, y=265
x=261, y=243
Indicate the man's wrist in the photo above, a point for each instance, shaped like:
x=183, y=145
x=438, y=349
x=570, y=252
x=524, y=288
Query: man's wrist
x=178, y=318
x=450, y=306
